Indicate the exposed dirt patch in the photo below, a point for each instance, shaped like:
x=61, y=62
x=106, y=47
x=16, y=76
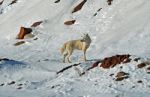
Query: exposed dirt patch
x=79, y=6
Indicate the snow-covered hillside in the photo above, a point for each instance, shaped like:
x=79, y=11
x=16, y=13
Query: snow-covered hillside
x=115, y=26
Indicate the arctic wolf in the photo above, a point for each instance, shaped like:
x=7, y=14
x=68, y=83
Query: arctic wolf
x=80, y=44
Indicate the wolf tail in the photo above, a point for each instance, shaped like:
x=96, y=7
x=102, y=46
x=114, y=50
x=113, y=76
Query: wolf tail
x=63, y=48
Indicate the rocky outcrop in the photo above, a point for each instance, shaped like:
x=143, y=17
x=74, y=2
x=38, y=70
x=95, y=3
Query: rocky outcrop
x=110, y=62
x=79, y=6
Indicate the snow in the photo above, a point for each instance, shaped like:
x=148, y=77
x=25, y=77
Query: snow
x=121, y=28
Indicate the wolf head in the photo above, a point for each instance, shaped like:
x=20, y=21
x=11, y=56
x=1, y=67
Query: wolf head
x=86, y=38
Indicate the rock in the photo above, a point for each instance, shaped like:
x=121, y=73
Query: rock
x=70, y=22
x=148, y=68
x=127, y=60
x=19, y=43
x=141, y=65
x=20, y=84
x=14, y=1
x=4, y=59
x=121, y=74
x=19, y=88
x=11, y=83
x=114, y=60
x=35, y=24
x=137, y=59
x=111, y=74
x=79, y=7
x=139, y=81
x=121, y=78
x=109, y=2
x=2, y=84
x=23, y=31
x=1, y=2
x=57, y=1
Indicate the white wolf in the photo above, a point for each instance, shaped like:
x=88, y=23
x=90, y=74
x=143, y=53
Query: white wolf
x=80, y=44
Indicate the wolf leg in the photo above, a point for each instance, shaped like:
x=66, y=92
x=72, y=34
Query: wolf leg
x=69, y=54
x=64, y=57
x=84, y=55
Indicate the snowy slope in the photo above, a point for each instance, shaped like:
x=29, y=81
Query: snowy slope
x=120, y=28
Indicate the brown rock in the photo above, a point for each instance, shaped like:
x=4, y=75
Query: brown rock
x=79, y=7
x=23, y=32
x=113, y=61
x=69, y=22
x=141, y=65
x=35, y=24
x=137, y=59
